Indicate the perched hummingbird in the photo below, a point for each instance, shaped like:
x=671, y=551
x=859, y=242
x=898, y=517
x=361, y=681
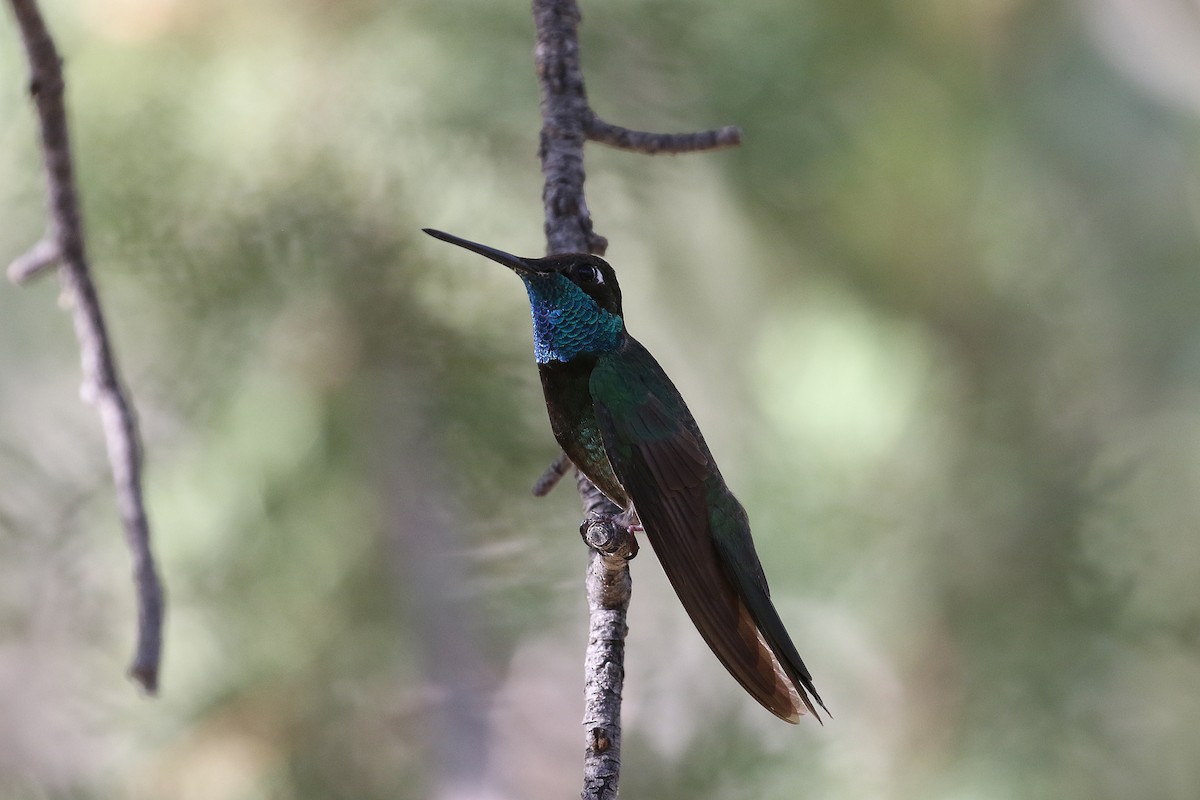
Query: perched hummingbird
x=623, y=423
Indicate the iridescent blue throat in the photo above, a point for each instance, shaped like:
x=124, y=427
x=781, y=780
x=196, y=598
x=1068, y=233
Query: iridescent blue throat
x=566, y=321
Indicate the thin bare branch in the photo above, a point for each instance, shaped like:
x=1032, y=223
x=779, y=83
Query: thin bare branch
x=609, y=588
x=34, y=261
x=102, y=384
x=661, y=143
x=569, y=230
x=567, y=123
x=564, y=115
x=553, y=474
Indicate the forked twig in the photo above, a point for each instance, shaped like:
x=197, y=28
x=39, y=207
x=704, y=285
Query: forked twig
x=102, y=385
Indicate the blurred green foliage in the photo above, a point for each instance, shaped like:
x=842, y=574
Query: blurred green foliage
x=937, y=317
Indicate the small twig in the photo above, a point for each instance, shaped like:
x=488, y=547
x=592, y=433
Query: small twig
x=36, y=260
x=655, y=143
x=553, y=474
x=102, y=383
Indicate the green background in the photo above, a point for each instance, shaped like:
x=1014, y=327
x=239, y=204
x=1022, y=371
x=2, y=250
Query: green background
x=937, y=317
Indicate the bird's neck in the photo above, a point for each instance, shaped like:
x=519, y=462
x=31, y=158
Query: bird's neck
x=568, y=323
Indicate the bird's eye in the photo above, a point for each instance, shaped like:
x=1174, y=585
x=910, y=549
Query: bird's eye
x=588, y=273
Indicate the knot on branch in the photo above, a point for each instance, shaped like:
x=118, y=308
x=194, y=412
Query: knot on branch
x=598, y=740
x=608, y=536
x=597, y=244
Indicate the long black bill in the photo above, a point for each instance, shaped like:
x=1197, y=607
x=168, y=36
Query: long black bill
x=499, y=256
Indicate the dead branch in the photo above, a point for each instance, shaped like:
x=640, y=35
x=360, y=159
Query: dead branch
x=661, y=143
x=567, y=122
x=553, y=474
x=102, y=384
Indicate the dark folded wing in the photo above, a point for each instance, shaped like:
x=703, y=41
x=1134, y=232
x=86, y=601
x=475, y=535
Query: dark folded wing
x=662, y=462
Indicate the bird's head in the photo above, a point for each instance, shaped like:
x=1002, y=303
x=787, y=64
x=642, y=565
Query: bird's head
x=574, y=298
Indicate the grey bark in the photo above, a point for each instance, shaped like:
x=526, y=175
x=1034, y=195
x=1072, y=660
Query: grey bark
x=102, y=384
x=567, y=122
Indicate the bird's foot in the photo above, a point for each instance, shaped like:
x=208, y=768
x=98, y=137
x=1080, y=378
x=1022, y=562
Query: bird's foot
x=628, y=519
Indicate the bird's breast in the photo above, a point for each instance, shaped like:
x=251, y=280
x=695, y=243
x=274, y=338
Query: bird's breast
x=573, y=421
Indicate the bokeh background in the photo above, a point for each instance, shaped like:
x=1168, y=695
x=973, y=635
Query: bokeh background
x=937, y=316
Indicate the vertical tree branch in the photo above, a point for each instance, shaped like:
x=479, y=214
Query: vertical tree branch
x=565, y=116
x=568, y=122
x=569, y=230
x=102, y=385
x=608, y=590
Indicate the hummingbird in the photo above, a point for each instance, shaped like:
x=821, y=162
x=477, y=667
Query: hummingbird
x=622, y=422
